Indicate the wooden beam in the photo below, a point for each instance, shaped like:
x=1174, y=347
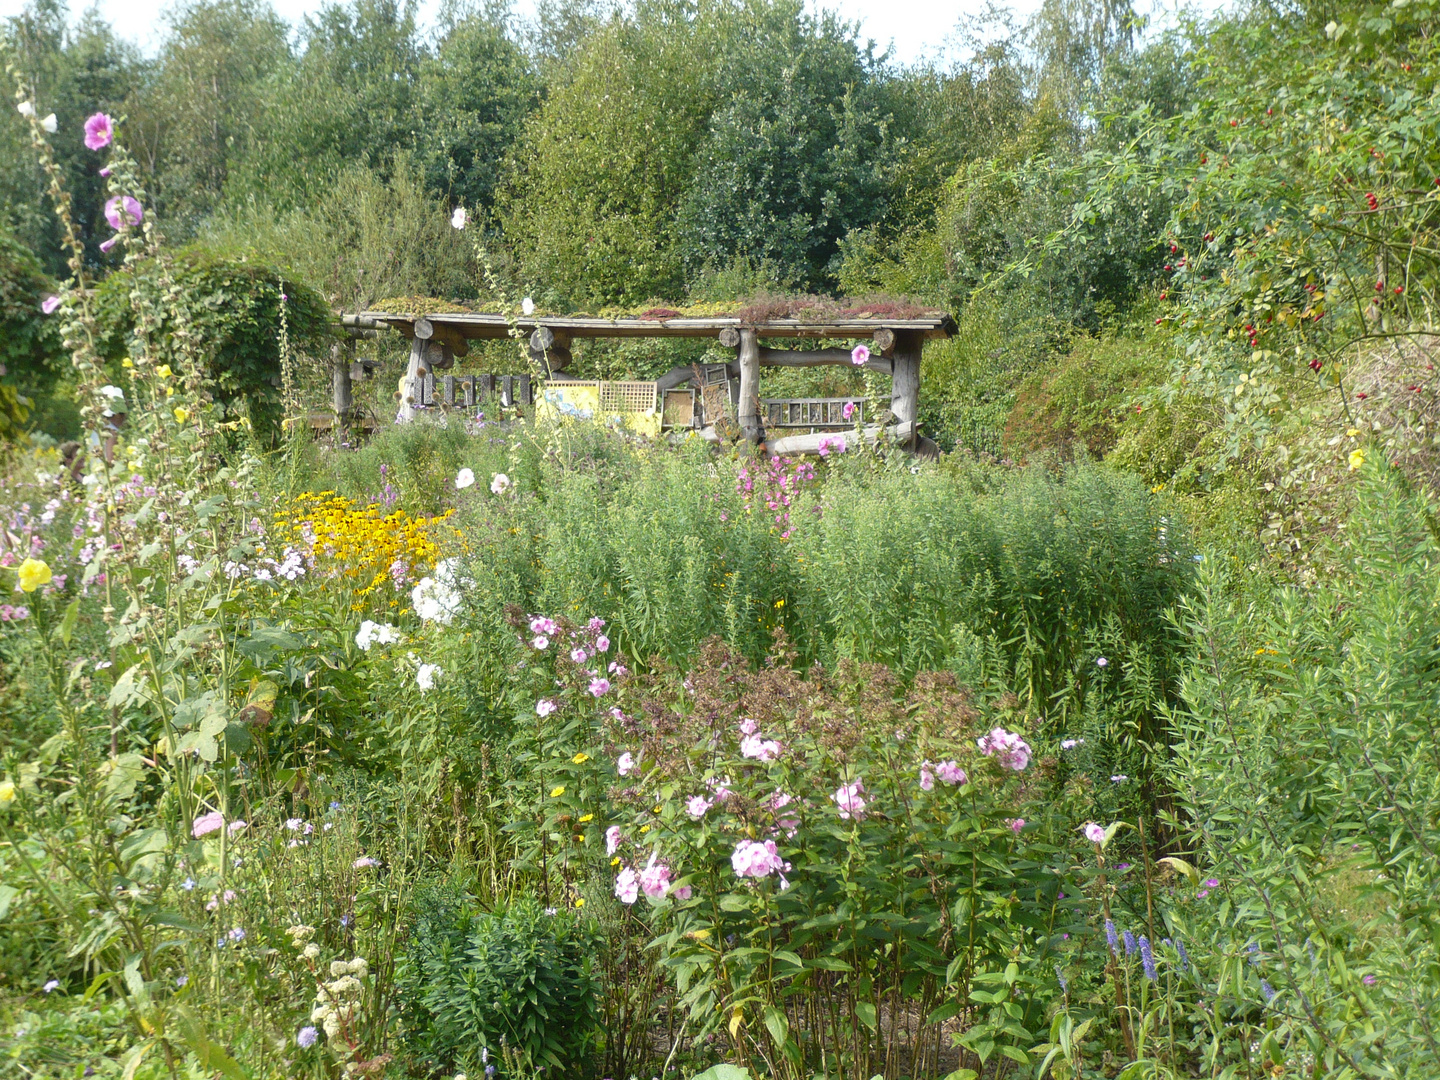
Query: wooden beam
x=748, y=408
x=819, y=358
x=412, y=381
x=902, y=433
x=884, y=339
x=477, y=325
x=905, y=388
x=550, y=349
x=730, y=337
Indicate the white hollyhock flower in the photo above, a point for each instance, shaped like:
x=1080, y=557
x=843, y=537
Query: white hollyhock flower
x=527, y=306
x=463, y=479
x=500, y=483
x=25, y=109
x=459, y=217
x=49, y=123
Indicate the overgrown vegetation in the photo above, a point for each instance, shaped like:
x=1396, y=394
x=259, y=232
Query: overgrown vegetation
x=1101, y=745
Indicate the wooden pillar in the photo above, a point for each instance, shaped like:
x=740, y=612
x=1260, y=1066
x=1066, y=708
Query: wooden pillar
x=905, y=388
x=411, y=381
x=343, y=399
x=449, y=389
x=748, y=407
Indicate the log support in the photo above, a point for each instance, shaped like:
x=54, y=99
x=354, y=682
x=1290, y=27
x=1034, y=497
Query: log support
x=342, y=398
x=550, y=349
x=905, y=385
x=751, y=428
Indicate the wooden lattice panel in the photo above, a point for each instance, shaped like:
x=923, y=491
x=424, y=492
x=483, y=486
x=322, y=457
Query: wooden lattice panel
x=627, y=397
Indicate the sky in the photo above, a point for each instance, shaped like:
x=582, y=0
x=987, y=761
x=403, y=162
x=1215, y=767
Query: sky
x=918, y=29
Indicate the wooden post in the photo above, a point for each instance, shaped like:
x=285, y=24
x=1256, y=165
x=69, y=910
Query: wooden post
x=468, y=382
x=751, y=427
x=344, y=401
x=487, y=385
x=412, y=381
x=905, y=387
x=449, y=389
x=507, y=390
x=524, y=392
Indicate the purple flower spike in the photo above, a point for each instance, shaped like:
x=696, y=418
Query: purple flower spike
x=124, y=210
x=49, y=304
x=1110, y=935
x=1129, y=943
x=99, y=131
x=1147, y=958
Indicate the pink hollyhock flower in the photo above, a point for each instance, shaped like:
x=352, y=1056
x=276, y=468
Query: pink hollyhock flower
x=99, y=131
x=207, y=823
x=49, y=304
x=627, y=886
x=626, y=765
x=927, y=778
x=655, y=879
x=698, y=806
x=1016, y=824
x=752, y=746
x=1094, y=833
x=754, y=858
x=850, y=799
x=602, y=644
x=831, y=444
x=123, y=210
x=599, y=687
x=848, y=412
x=950, y=772
x=1006, y=747
x=748, y=727
x=860, y=355
x=613, y=837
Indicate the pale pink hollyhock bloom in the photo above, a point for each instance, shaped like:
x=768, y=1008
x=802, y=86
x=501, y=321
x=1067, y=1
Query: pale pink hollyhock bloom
x=602, y=644
x=748, y=726
x=753, y=858
x=697, y=806
x=860, y=355
x=950, y=772
x=1016, y=824
x=545, y=706
x=599, y=687
x=850, y=799
x=655, y=879
x=831, y=444
x=752, y=746
x=612, y=839
x=626, y=765
x=364, y=861
x=927, y=778
x=123, y=210
x=848, y=411
x=1094, y=833
x=207, y=823
x=99, y=130
x=49, y=304
x=627, y=886
x=1006, y=747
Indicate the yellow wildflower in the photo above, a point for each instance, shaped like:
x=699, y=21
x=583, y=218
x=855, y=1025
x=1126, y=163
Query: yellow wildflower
x=586, y=817
x=163, y=371
x=1357, y=458
x=7, y=791
x=556, y=792
x=33, y=573
x=182, y=414
x=581, y=758
x=580, y=902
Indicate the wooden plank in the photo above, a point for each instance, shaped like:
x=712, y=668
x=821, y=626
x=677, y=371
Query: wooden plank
x=474, y=325
x=751, y=427
x=449, y=389
x=810, y=444
x=523, y=390
x=487, y=385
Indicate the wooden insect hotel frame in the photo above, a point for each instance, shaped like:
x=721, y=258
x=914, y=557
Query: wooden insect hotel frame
x=693, y=396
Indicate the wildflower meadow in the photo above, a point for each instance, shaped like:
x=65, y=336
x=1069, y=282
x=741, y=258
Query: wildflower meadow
x=1080, y=724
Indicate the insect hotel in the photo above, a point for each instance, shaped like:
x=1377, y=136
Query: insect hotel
x=712, y=400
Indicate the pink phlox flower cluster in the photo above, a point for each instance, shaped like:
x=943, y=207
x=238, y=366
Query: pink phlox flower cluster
x=721, y=788
x=602, y=643
x=613, y=839
x=698, y=806
x=627, y=886
x=950, y=773
x=850, y=798
x=753, y=746
x=655, y=878
x=757, y=859
x=545, y=706
x=1094, y=833
x=541, y=625
x=1016, y=824
x=540, y=642
x=579, y=655
x=599, y=687
x=618, y=669
x=207, y=823
x=927, y=778
x=15, y=613
x=1007, y=748
x=748, y=726
x=626, y=764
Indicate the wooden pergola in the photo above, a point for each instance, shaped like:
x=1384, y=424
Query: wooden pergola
x=436, y=340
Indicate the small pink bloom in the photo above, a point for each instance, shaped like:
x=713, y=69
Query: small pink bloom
x=105, y=172
x=1094, y=833
x=237, y=827
x=627, y=886
x=602, y=644
x=848, y=411
x=207, y=823
x=364, y=861
x=545, y=706
x=49, y=304
x=927, y=778
x=752, y=746
x=860, y=355
x=1016, y=824
x=579, y=655
x=748, y=727
x=108, y=244
x=626, y=765
x=752, y=858
x=123, y=210
x=655, y=879
x=697, y=806
x=683, y=893
x=850, y=799
x=599, y=687
x=950, y=772
x=613, y=837
x=99, y=131
x=540, y=642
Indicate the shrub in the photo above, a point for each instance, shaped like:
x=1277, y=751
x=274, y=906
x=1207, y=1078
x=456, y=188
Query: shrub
x=472, y=981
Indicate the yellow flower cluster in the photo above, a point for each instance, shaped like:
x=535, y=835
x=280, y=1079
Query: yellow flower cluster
x=361, y=542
